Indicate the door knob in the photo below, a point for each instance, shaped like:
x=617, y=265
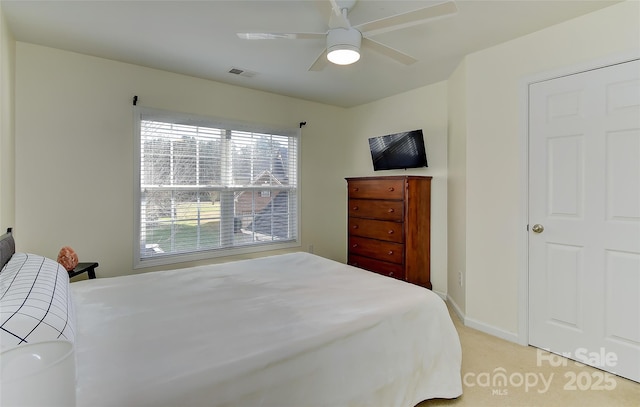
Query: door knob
x=537, y=228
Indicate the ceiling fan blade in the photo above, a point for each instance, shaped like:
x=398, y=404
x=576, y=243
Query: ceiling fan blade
x=388, y=51
x=282, y=36
x=320, y=62
x=330, y=10
x=335, y=8
x=406, y=19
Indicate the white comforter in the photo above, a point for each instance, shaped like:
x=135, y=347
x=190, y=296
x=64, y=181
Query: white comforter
x=293, y=330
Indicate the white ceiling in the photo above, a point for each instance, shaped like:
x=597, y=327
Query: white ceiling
x=198, y=38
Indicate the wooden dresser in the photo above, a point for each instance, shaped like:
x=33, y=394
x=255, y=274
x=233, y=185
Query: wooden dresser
x=389, y=226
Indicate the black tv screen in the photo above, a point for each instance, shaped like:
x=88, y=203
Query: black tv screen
x=398, y=151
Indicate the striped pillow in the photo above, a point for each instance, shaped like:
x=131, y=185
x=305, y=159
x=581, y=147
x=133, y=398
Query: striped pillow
x=35, y=301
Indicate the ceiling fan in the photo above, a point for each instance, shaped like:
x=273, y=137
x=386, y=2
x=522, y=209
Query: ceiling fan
x=343, y=41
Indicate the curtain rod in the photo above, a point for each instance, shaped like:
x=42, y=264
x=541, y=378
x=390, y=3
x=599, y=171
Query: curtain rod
x=135, y=102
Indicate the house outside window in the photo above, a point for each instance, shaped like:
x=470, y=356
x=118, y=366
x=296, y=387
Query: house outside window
x=209, y=188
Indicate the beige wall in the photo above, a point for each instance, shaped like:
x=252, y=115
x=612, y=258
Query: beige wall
x=495, y=225
x=74, y=151
x=74, y=164
x=457, y=187
x=423, y=108
x=7, y=129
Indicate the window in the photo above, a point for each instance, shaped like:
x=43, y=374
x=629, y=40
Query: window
x=210, y=188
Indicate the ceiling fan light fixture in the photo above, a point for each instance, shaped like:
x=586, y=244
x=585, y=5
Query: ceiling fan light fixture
x=343, y=45
x=343, y=56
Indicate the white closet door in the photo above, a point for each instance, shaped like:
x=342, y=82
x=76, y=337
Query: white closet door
x=584, y=217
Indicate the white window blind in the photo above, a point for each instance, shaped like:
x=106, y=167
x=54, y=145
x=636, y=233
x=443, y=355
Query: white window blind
x=209, y=188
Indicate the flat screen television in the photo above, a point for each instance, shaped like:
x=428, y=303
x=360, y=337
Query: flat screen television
x=398, y=151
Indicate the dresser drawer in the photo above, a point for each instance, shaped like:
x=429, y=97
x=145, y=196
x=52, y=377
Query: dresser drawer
x=376, y=209
x=377, y=249
x=377, y=189
x=376, y=229
x=389, y=226
x=377, y=266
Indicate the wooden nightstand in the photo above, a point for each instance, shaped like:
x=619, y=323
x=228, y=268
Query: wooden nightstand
x=89, y=268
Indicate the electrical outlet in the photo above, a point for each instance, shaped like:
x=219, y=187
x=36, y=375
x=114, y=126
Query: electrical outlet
x=310, y=249
x=460, y=278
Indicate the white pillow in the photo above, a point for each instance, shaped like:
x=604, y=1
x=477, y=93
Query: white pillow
x=35, y=301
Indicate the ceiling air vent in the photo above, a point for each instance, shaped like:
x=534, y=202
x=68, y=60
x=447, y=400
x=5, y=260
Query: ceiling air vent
x=242, y=72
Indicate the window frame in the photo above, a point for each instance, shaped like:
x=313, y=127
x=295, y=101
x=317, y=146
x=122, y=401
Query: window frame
x=207, y=121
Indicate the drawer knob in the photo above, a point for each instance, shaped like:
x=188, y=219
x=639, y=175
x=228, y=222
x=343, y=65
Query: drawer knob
x=390, y=232
x=355, y=245
x=391, y=210
x=355, y=226
x=391, y=274
x=355, y=208
x=390, y=252
x=391, y=189
x=356, y=189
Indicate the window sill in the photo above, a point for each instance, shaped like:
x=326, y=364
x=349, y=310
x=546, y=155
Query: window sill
x=163, y=260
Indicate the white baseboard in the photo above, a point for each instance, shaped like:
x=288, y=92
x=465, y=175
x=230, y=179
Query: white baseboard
x=441, y=294
x=481, y=326
x=456, y=308
x=491, y=330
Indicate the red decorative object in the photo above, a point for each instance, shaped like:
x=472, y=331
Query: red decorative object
x=68, y=258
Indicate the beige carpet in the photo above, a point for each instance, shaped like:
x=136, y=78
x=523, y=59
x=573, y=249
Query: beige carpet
x=531, y=380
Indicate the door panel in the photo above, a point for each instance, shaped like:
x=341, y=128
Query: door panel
x=565, y=176
x=584, y=190
x=623, y=176
x=622, y=282
x=564, y=273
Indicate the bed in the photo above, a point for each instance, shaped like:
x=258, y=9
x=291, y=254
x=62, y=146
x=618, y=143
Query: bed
x=285, y=330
